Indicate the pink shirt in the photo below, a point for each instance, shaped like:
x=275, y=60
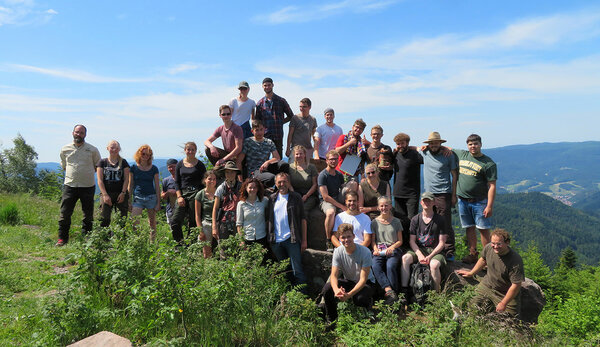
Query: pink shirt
x=229, y=135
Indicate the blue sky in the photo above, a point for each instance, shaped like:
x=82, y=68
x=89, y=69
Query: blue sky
x=156, y=72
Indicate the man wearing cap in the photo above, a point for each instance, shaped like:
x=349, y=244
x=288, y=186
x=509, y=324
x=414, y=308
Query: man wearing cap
x=302, y=128
x=232, y=136
x=79, y=160
x=242, y=108
x=169, y=192
x=440, y=174
x=273, y=111
x=427, y=240
x=326, y=136
x=407, y=181
x=476, y=191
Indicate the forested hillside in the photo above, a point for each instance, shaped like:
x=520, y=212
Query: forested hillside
x=553, y=226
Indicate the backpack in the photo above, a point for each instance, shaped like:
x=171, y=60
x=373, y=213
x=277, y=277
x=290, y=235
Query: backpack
x=420, y=283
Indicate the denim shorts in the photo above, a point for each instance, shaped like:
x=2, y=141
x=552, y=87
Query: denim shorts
x=471, y=214
x=144, y=201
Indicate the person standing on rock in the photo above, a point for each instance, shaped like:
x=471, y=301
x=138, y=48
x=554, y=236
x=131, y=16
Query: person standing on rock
x=273, y=111
x=476, y=191
x=79, y=160
x=505, y=274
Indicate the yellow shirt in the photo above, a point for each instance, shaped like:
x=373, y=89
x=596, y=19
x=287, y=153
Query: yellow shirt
x=79, y=164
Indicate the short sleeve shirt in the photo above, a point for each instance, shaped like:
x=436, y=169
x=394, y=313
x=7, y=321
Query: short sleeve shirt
x=229, y=135
x=474, y=173
x=302, y=180
x=79, y=164
x=332, y=182
x=169, y=183
x=206, y=205
x=352, y=264
x=437, y=169
x=503, y=270
x=143, y=181
x=257, y=152
x=328, y=137
x=360, y=222
x=303, y=130
x=386, y=233
x=113, y=176
x=242, y=110
x=428, y=234
x=407, y=174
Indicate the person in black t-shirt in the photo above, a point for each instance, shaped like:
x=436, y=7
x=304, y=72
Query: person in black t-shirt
x=112, y=174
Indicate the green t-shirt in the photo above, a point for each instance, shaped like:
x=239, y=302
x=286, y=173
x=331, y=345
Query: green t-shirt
x=502, y=271
x=386, y=233
x=474, y=173
x=207, y=205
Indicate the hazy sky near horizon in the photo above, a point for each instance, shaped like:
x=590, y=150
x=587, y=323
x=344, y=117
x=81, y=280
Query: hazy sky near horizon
x=156, y=72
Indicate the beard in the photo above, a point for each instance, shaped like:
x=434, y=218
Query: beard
x=77, y=139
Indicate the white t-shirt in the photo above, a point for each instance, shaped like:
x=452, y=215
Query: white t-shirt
x=241, y=111
x=360, y=222
x=328, y=136
x=282, y=225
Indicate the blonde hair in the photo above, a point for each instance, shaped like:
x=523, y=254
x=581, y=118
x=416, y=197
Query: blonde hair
x=299, y=148
x=118, y=145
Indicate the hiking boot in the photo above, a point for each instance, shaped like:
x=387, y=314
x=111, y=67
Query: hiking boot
x=390, y=297
x=60, y=243
x=471, y=258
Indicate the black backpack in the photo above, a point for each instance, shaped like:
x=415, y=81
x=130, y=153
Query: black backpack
x=420, y=283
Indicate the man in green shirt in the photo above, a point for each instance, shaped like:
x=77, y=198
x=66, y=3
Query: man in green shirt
x=476, y=191
x=502, y=282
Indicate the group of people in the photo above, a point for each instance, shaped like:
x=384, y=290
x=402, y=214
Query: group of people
x=369, y=193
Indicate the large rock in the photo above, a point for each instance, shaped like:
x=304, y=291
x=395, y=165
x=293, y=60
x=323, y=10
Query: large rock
x=103, y=339
x=532, y=296
x=317, y=268
x=316, y=238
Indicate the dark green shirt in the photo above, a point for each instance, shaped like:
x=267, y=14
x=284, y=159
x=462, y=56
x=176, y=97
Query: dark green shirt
x=474, y=173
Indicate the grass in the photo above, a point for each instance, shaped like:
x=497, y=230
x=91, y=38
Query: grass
x=32, y=270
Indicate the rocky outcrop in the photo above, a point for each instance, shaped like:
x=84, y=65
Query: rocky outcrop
x=103, y=339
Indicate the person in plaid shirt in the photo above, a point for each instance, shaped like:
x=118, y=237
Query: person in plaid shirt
x=274, y=111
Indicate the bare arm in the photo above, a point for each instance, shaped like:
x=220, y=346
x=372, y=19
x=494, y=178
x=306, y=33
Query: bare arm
x=367, y=239
x=491, y=197
x=214, y=217
x=454, y=183
x=157, y=188
x=364, y=276
x=312, y=189
x=209, y=142
x=275, y=158
x=510, y=294
x=289, y=140
x=236, y=150
x=478, y=267
x=440, y=247
x=329, y=199
x=100, y=181
x=317, y=145
x=342, y=149
x=333, y=279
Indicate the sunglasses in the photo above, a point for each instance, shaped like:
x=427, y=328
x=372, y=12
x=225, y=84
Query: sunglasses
x=226, y=114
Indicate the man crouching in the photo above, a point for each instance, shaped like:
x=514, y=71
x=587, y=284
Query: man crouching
x=354, y=261
x=502, y=282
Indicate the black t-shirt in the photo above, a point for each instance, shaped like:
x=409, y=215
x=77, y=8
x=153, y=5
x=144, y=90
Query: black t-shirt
x=189, y=177
x=113, y=175
x=407, y=174
x=428, y=235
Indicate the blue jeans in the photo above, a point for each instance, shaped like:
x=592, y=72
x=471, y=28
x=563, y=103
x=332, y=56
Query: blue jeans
x=386, y=270
x=471, y=214
x=287, y=249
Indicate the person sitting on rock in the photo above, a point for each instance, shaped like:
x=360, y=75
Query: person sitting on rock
x=361, y=222
x=427, y=241
x=354, y=262
x=502, y=282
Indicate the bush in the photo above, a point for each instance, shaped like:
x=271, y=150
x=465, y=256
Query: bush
x=9, y=214
x=153, y=293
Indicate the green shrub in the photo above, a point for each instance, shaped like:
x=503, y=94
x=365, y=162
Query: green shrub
x=9, y=214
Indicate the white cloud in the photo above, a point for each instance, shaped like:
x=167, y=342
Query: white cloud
x=311, y=12
x=75, y=75
x=185, y=67
x=23, y=12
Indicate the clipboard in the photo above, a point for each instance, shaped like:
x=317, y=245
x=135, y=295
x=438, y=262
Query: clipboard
x=350, y=164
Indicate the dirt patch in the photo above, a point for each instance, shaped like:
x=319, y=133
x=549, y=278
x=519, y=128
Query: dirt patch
x=59, y=270
x=29, y=226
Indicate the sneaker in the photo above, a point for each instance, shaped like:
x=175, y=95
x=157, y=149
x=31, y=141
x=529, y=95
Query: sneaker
x=471, y=258
x=60, y=243
x=390, y=297
x=330, y=247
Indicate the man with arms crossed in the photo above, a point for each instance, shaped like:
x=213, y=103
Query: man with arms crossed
x=79, y=160
x=330, y=183
x=354, y=262
x=271, y=109
x=505, y=274
x=476, y=191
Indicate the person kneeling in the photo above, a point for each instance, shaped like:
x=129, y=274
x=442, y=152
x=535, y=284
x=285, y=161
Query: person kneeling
x=427, y=241
x=354, y=261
